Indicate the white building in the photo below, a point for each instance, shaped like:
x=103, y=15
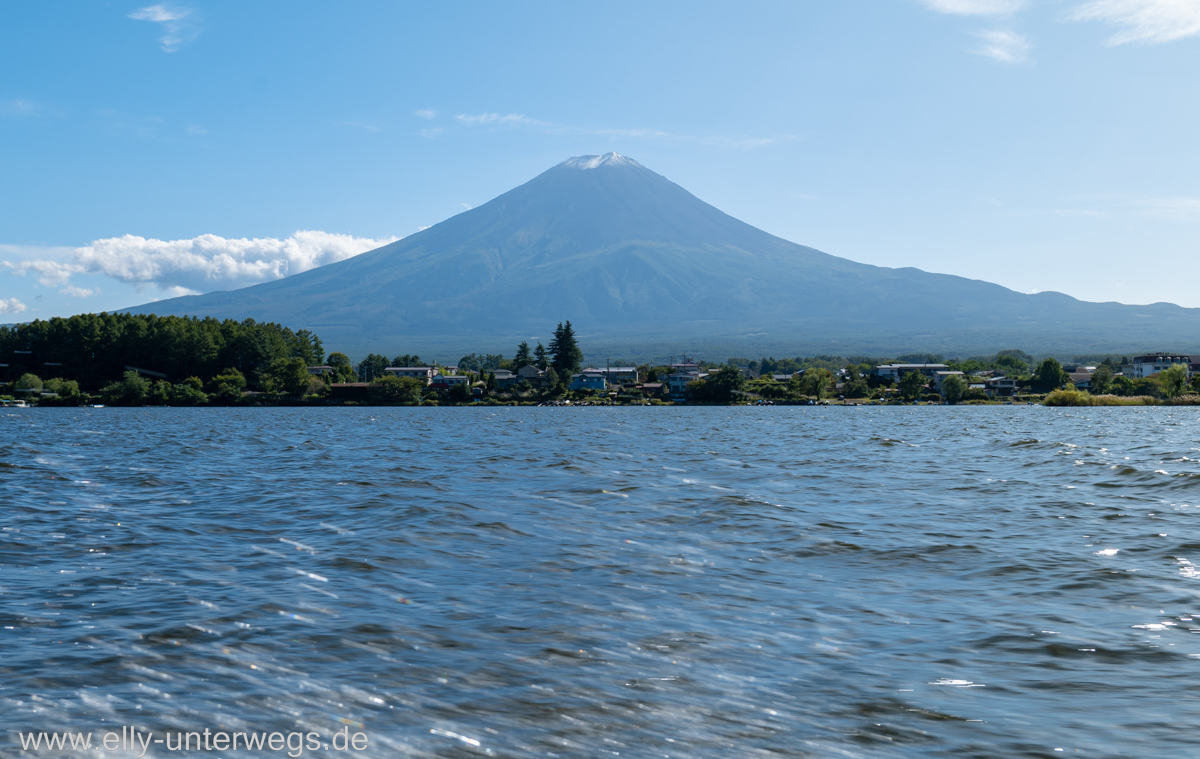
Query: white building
x=1144, y=366
x=449, y=380
x=423, y=373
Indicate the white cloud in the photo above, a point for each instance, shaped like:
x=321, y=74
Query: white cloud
x=50, y=272
x=1144, y=21
x=199, y=264
x=1004, y=45
x=180, y=24
x=78, y=292
x=977, y=7
x=11, y=306
x=196, y=129
x=427, y=113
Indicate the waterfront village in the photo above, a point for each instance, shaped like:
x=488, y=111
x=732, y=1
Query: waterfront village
x=137, y=360
x=688, y=380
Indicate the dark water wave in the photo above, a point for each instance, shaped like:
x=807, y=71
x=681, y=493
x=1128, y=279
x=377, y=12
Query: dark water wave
x=974, y=582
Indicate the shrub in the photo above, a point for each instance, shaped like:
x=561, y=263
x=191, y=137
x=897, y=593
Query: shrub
x=29, y=382
x=132, y=390
x=397, y=389
x=1068, y=398
x=227, y=386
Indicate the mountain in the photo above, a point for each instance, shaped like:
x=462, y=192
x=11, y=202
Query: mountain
x=644, y=268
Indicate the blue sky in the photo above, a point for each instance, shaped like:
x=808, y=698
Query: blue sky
x=149, y=150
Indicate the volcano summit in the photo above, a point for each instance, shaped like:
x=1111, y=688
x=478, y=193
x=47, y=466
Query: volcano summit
x=644, y=268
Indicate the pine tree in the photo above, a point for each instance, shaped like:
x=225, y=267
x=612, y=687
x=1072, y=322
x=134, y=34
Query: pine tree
x=522, y=358
x=539, y=357
x=568, y=358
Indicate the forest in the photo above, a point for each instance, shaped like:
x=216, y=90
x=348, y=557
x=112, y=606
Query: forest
x=93, y=350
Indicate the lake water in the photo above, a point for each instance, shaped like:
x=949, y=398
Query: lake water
x=634, y=582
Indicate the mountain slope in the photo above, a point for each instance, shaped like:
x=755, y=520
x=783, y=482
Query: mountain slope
x=643, y=267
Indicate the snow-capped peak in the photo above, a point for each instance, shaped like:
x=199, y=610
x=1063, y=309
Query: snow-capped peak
x=596, y=161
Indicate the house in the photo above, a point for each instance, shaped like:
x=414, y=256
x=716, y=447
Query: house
x=677, y=383
x=505, y=379
x=446, y=381
x=652, y=389
x=423, y=373
x=621, y=375
x=1145, y=366
x=940, y=377
x=1004, y=387
x=320, y=371
x=1081, y=380
x=532, y=375
x=583, y=381
x=781, y=377
x=896, y=371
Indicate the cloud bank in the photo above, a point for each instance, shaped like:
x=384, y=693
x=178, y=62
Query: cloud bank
x=199, y=264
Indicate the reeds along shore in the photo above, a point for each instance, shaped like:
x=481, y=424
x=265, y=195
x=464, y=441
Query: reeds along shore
x=1084, y=398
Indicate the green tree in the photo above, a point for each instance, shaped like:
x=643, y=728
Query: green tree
x=286, y=376
x=406, y=359
x=522, y=358
x=953, y=388
x=307, y=347
x=1148, y=386
x=459, y=393
x=189, y=392
x=372, y=366
x=1101, y=379
x=397, y=389
x=29, y=382
x=552, y=380
x=721, y=386
x=567, y=357
x=1172, y=380
x=131, y=390
x=489, y=383
x=911, y=384
x=62, y=388
x=539, y=358
x=1049, y=376
x=160, y=393
x=227, y=386
x=815, y=382
x=1122, y=386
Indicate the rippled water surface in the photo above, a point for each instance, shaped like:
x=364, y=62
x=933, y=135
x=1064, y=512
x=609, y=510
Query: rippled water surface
x=635, y=582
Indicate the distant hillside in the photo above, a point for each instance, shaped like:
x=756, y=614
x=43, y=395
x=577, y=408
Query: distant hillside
x=642, y=267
